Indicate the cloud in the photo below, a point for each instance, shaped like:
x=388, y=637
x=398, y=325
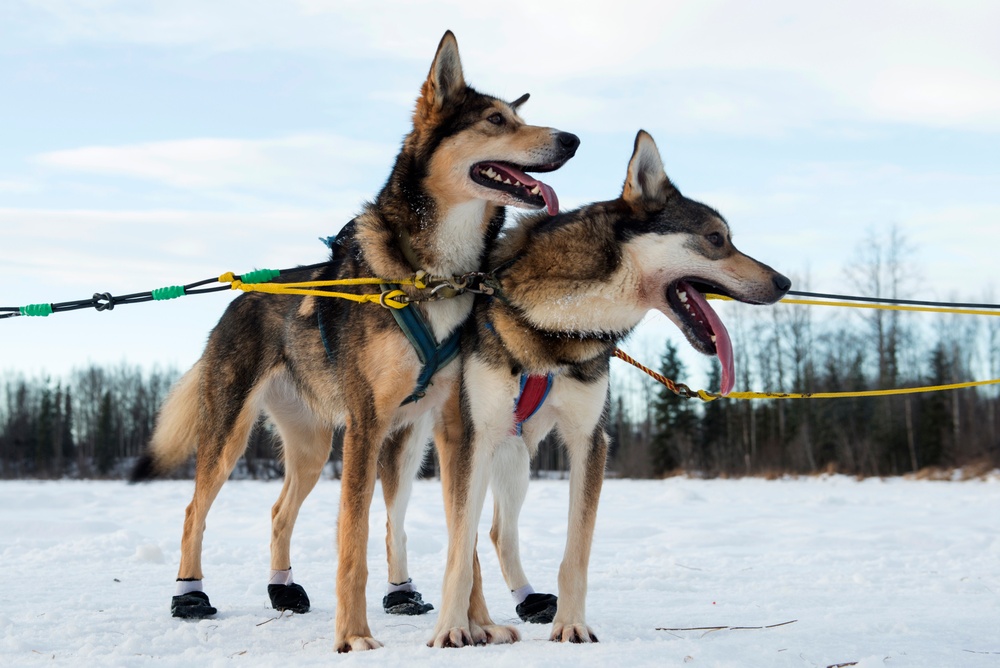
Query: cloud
x=919, y=62
x=126, y=249
x=18, y=186
x=313, y=166
x=936, y=96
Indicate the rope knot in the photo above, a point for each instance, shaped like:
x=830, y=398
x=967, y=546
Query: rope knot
x=103, y=301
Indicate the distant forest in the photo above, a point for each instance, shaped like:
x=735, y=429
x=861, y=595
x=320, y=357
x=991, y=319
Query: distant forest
x=95, y=422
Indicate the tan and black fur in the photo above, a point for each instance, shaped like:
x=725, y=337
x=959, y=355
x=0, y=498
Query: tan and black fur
x=570, y=287
x=438, y=211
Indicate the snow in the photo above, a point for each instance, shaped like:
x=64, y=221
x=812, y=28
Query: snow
x=879, y=572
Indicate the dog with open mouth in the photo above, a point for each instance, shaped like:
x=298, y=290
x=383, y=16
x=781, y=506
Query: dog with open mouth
x=313, y=365
x=568, y=288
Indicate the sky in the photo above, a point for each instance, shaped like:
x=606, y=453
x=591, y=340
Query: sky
x=154, y=143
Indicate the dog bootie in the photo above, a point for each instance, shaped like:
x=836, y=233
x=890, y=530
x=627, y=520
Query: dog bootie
x=538, y=608
x=291, y=597
x=192, y=605
x=405, y=603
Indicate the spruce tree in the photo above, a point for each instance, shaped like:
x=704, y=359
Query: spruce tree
x=673, y=437
x=104, y=446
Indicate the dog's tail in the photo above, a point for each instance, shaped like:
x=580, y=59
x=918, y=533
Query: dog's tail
x=175, y=438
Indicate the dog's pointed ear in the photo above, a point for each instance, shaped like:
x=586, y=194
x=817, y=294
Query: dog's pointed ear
x=519, y=101
x=646, y=183
x=445, y=82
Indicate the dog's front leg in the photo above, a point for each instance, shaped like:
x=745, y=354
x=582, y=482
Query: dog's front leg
x=587, y=446
x=586, y=478
x=362, y=441
x=464, y=478
x=470, y=426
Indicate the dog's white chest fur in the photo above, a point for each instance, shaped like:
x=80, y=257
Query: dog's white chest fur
x=459, y=244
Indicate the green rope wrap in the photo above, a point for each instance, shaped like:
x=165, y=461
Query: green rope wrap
x=169, y=292
x=36, y=309
x=260, y=275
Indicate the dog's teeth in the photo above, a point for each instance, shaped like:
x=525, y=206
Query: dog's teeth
x=489, y=172
x=536, y=191
x=497, y=177
x=507, y=182
x=683, y=296
x=713, y=338
x=517, y=183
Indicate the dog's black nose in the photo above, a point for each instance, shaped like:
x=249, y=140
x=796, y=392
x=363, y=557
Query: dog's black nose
x=782, y=283
x=568, y=141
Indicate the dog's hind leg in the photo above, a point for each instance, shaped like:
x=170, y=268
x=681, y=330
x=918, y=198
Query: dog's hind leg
x=510, y=472
x=306, y=445
x=227, y=417
x=481, y=625
x=401, y=458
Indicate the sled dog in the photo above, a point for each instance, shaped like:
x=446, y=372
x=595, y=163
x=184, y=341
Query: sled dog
x=315, y=364
x=568, y=287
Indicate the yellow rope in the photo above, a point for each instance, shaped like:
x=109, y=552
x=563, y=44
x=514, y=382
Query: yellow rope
x=866, y=393
x=892, y=307
x=711, y=396
x=884, y=307
x=389, y=298
x=683, y=390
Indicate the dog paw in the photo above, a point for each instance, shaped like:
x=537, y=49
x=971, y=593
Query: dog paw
x=575, y=633
x=498, y=634
x=458, y=636
x=288, y=597
x=356, y=644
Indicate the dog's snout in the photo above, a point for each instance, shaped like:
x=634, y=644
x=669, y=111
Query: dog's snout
x=782, y=283
x=568, y=142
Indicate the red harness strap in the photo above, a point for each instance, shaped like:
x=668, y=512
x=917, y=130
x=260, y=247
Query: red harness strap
x=534, y=389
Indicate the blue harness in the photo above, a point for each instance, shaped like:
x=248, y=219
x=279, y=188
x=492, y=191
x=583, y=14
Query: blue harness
x=432, y=355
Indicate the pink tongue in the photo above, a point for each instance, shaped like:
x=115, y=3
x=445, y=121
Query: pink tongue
x=548, y=194
x=723, y=344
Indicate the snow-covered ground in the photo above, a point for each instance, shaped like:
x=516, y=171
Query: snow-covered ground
x=882, y=573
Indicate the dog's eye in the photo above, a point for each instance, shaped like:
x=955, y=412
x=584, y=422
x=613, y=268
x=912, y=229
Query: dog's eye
x=496, y=119
x=716, y=239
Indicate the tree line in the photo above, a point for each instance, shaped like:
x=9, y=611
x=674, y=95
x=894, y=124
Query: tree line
x=95, y=422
